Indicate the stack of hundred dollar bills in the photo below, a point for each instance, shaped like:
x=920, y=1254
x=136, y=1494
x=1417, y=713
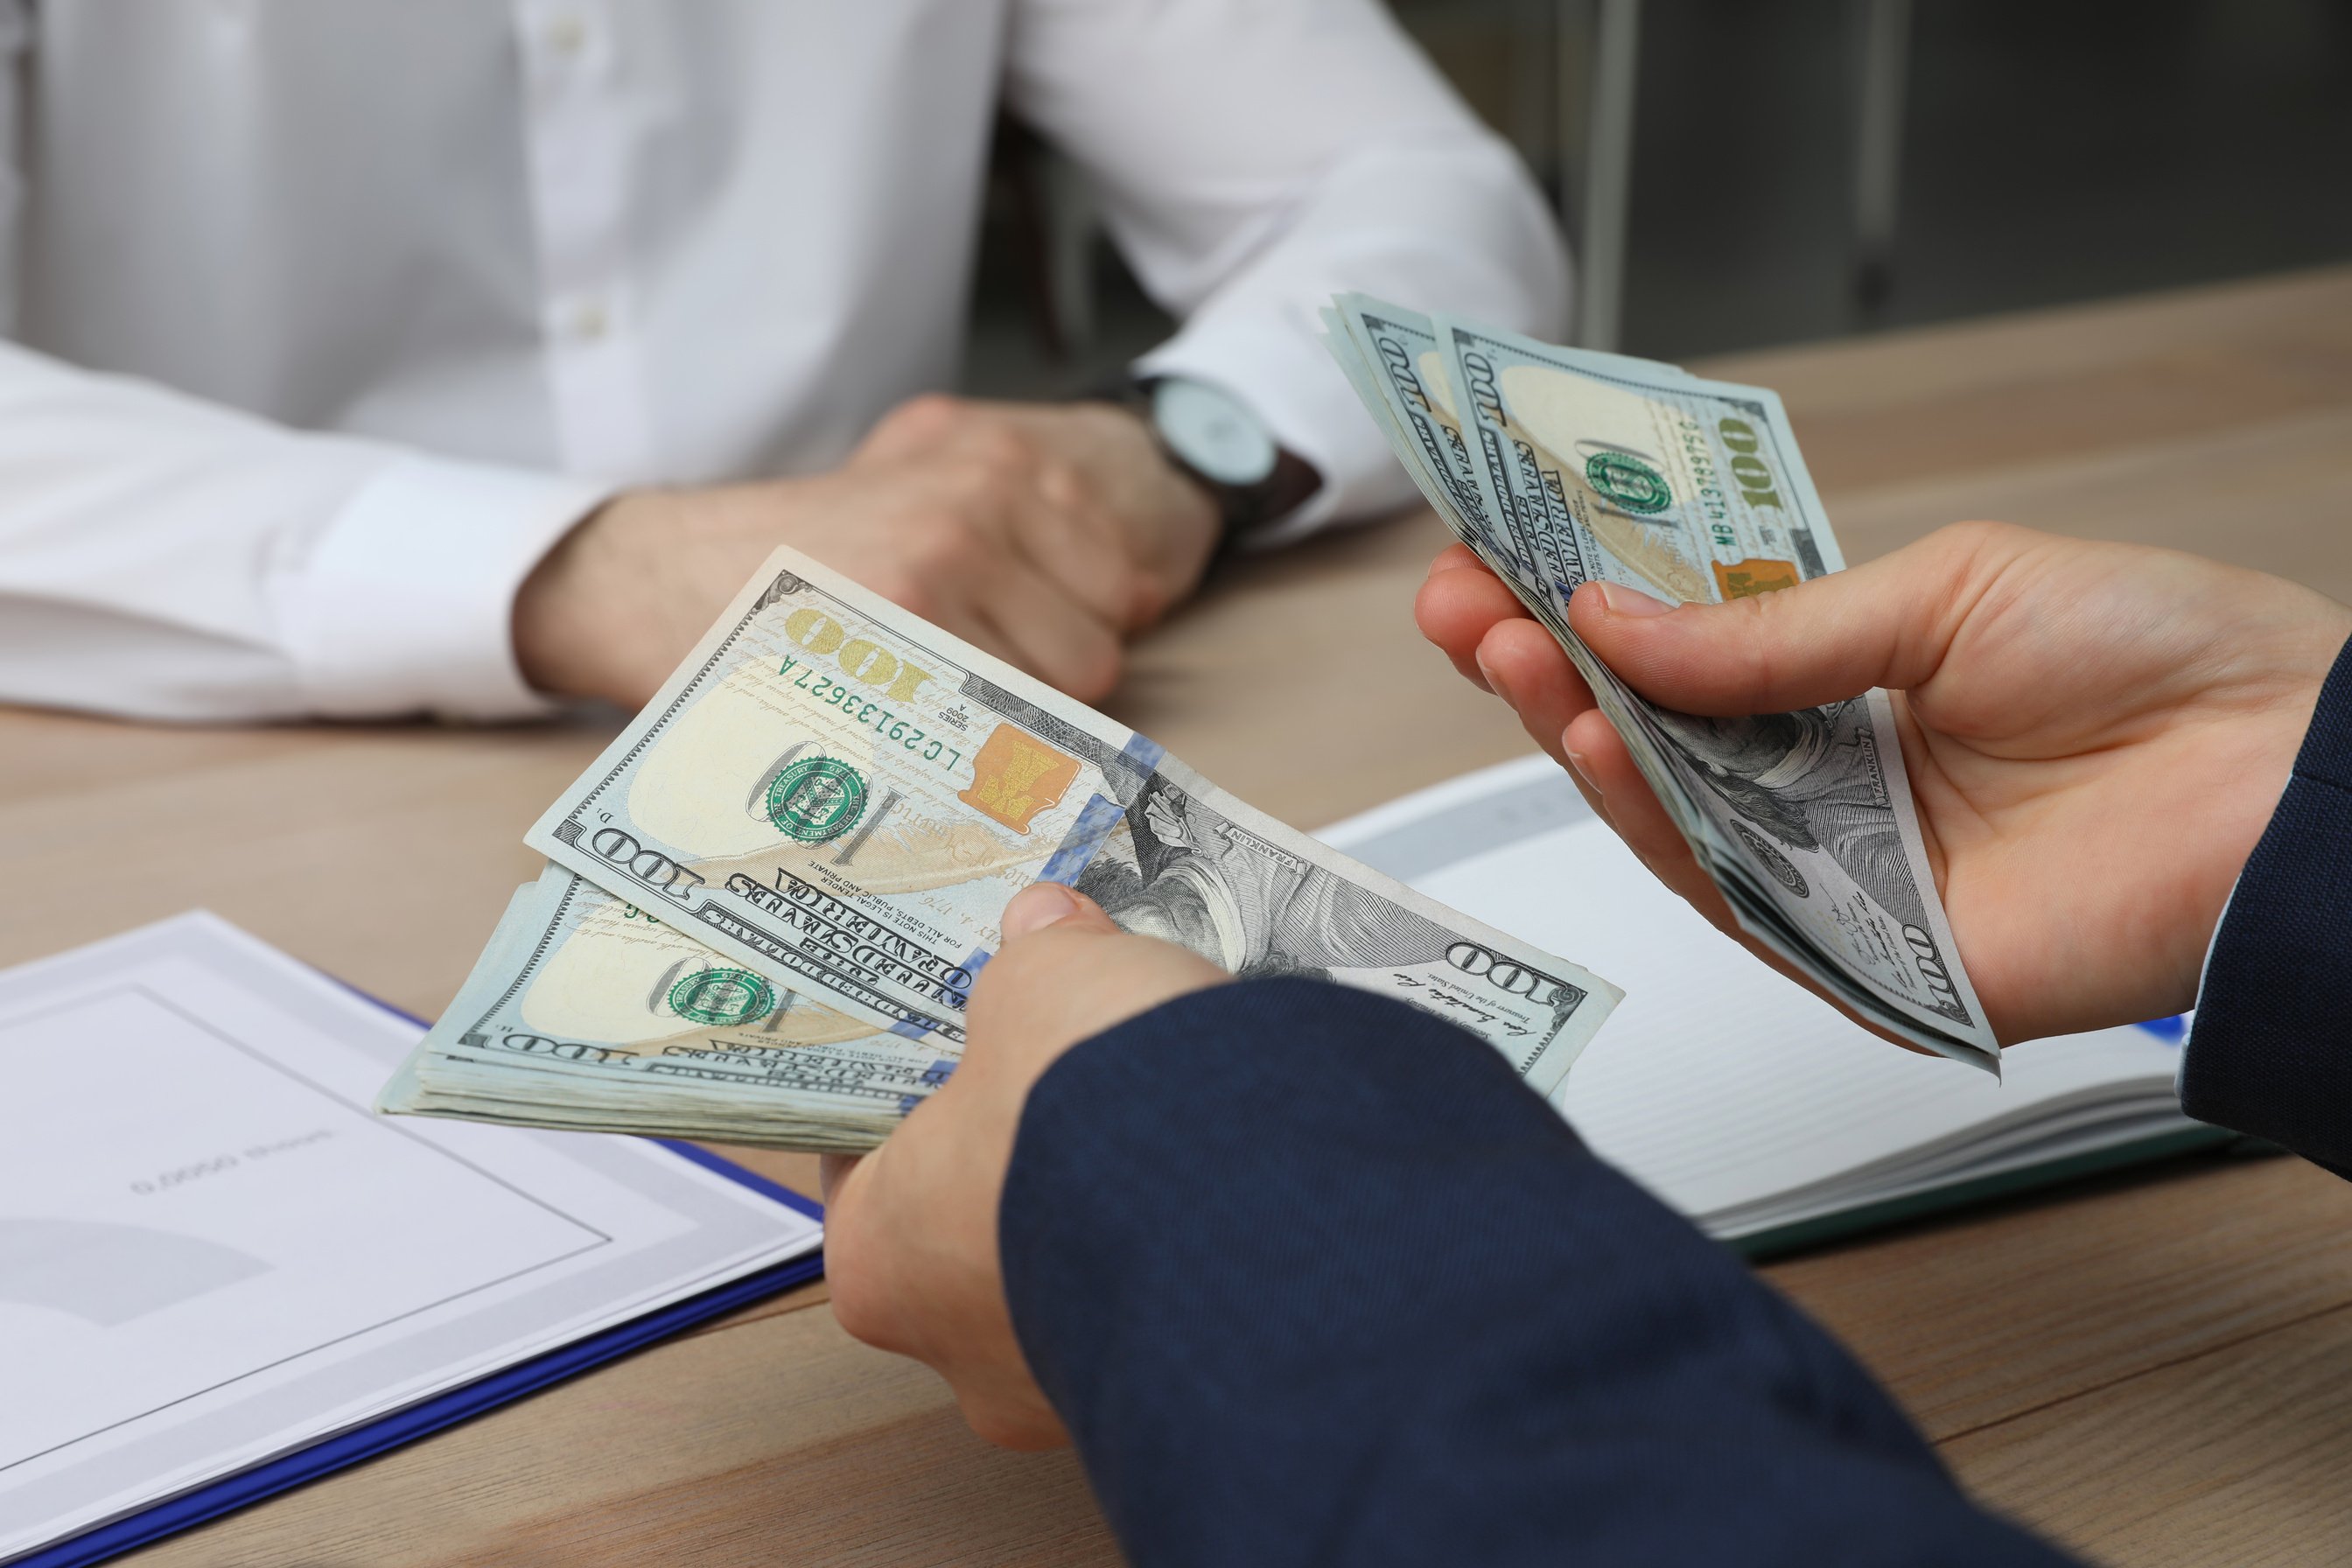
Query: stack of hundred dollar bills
x=770, y=896
x=1560, y=466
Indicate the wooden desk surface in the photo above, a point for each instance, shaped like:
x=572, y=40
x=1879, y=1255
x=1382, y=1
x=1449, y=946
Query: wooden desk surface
x=2155, y=1369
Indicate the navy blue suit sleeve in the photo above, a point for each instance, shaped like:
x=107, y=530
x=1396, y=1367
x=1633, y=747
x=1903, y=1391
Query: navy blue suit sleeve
x=2271, y=1052
x=1313, y=1278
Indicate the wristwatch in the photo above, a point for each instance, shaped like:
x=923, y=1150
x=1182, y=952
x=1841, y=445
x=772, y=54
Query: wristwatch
x=1216, y=440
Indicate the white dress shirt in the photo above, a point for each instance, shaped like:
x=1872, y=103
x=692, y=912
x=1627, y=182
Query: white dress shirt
x=321, y=323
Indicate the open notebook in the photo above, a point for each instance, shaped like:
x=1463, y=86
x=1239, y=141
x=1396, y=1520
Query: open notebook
x=1734, y=1095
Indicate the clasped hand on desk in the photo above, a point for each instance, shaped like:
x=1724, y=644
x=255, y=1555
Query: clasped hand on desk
x=1045, y=534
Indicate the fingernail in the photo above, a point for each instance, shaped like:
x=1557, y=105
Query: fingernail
x=1037, y=906
x=1493, y=684
x=1584, y=766
x=1619, y=600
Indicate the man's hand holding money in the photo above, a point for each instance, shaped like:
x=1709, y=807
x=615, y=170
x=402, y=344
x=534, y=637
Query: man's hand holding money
x=911, y=1229
x=2095, y=733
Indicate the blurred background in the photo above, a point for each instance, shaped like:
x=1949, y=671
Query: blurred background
x=1735, y=175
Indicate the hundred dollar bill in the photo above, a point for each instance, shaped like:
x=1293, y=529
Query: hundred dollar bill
x=586, y=1013
x=1602, y=466
x=1394, y=359
x=1404, y=380
x=1397, y=367
x=841, y=798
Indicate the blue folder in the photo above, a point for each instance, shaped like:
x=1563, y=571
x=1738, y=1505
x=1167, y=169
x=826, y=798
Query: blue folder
x=330, y=1454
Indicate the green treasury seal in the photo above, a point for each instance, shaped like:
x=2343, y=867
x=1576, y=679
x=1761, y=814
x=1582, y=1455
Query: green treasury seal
x=817, y=800
x=1629, y=482
x=722, y=996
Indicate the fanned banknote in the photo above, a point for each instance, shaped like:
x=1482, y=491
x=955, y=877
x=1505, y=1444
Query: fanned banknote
x=843, y=797
x=773, y=891
x=586, y=1012
x=1560, y=466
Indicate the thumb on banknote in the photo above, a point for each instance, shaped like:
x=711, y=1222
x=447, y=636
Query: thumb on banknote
x=1032, y=910
x=1888, y=624
x=1043, y=904
x=911, y=1242
x=1063, y=972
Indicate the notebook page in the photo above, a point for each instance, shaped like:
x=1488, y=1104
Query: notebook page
x=1717, y=1083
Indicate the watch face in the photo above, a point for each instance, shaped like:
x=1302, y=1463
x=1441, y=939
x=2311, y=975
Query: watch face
x=1212, y=432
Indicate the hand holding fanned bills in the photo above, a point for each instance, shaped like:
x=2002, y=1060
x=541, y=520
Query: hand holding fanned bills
x=1558, y=467
x=771, y=895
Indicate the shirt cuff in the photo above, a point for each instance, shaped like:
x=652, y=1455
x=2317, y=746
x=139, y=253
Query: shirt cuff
x=1281, y=372
x=405, y=602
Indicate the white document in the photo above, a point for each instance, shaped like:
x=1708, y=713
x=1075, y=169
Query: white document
x=213, y=1253
x=1728, y=1090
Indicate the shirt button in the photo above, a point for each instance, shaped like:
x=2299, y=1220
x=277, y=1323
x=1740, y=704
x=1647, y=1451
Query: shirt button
x=566, y=34
x=590, y=320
